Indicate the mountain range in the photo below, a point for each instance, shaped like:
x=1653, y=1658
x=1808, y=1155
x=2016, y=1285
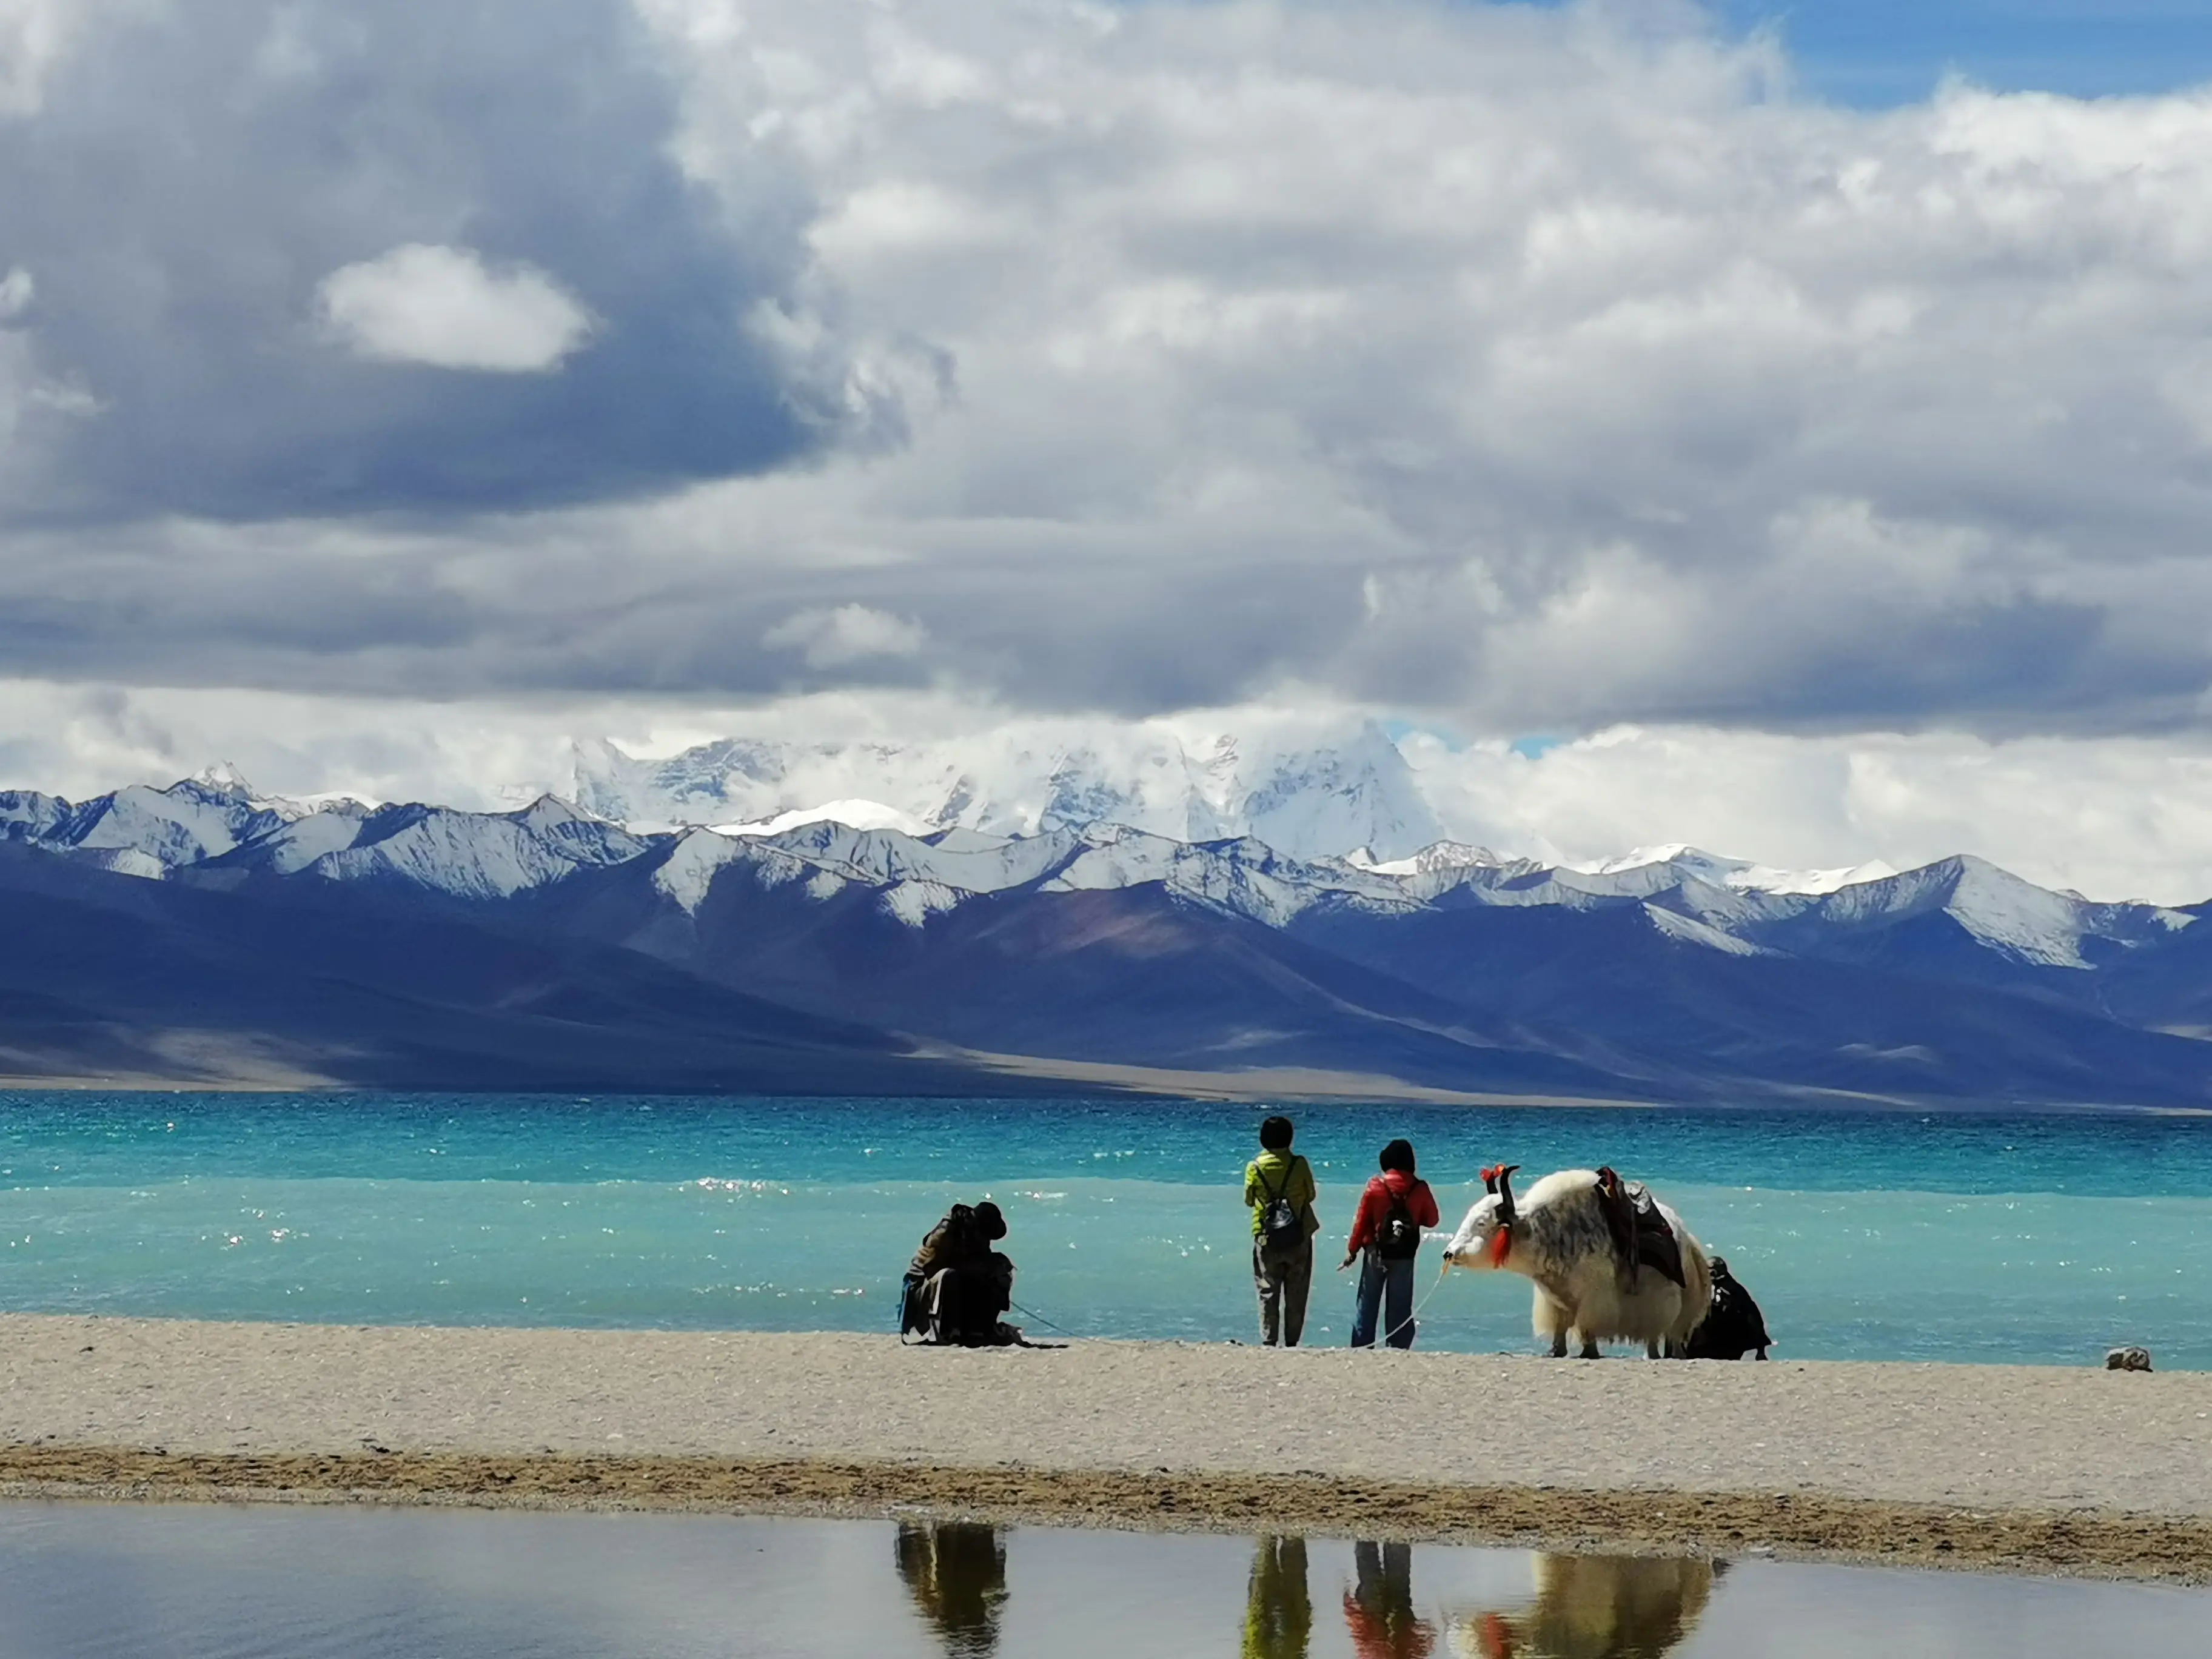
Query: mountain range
x=201, y=933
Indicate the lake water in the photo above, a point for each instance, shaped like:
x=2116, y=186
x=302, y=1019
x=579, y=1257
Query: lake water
x=1986, y=1236
x=92, y=1580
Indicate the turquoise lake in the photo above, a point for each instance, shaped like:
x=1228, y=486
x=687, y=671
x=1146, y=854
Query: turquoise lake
x=1978, y=1237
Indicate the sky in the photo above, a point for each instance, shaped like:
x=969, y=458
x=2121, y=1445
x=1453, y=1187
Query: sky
x=1785, y=429
x=1879, y=52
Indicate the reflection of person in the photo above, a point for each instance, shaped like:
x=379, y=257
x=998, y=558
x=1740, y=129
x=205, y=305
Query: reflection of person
x=956, y=1573
x=1278, y=1611
x=1279, y=1186
x=1595, y=1607
x=1385, y=1235
x=958, y=1285
x=1378, y=1610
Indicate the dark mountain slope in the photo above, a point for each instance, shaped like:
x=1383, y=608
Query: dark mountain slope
x=1132, y=976
x=351, y=985
x=1701, y=1017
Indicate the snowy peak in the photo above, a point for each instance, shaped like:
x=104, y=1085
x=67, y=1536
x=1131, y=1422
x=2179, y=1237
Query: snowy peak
x=148, y=831
x=1328, y=801
x=944, y=869
x=468, y=855
x=1743, y=874
x=2039, y=926
x=853, y=814
x=1441, y=855
x=1314, y=801
x=222, y=778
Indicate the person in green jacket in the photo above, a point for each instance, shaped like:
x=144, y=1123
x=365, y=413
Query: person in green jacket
x=1277, y=1608
x=1279, y=1188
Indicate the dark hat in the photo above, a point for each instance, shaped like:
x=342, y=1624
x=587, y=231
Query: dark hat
x=992, y=1223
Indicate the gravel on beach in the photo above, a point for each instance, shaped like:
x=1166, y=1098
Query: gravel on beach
x=2024, y=1468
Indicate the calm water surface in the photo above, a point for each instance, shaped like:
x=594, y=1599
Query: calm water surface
x=93, y=1580
x=1872, y=1236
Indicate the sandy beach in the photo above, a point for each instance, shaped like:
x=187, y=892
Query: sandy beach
x=2079, y=1471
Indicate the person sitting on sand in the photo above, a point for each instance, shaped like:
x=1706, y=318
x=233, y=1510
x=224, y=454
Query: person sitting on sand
x=956, y=1572
x=1279, y=1186
x=1387, y=1232
x=958, y=1285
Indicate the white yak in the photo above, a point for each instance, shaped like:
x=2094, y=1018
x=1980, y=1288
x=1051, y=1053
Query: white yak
x=1575, y=1233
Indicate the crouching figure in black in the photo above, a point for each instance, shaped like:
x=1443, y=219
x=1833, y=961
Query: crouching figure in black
x=958, y=1285
x=1735, y=1326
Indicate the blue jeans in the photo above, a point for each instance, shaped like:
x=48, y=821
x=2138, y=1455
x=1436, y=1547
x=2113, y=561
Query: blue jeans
x=1386, y=1288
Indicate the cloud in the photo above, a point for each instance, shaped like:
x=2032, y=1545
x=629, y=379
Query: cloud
x=849, y=634
x=209, y=195
x=33, y=34
x=2115, y=819
x=440, y=307
x=1513, y=369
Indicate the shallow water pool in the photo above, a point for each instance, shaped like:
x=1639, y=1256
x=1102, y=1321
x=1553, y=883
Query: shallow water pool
x=92, y=1579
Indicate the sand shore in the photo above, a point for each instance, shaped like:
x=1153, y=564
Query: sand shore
x=2078, y=1471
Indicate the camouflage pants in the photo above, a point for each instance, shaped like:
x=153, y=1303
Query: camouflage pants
x=1283, y=1282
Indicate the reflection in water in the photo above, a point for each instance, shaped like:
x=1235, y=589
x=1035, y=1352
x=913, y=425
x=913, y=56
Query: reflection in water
x=957, y=1574
x=1277, y=1610
x=1594, y=1607
x=1378, y=1609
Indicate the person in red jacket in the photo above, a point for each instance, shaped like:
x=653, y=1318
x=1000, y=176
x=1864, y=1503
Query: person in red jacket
x=1385, y=1235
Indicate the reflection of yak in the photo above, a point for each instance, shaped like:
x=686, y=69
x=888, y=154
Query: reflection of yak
x=956, y=1573
x=1594, y=1607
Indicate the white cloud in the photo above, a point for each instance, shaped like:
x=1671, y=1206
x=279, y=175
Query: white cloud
x=17, y=290
x=2112, y=817
x=33, y=34
x=1545, y=369
x=443, y=306
x=848, y=634
x=1521, y=369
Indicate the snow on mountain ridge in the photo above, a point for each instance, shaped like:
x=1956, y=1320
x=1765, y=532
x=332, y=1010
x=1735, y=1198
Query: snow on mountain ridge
x=853, y=814
x=1438, y=855
x=1740, y=873
x=918, y=872
x=1309, y=801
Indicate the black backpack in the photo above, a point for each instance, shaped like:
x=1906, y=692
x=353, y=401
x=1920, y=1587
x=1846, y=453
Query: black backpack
x=1282, y=1228
x=1399, y=1237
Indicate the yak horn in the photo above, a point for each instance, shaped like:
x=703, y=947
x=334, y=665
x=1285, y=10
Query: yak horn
x=1506, y=1192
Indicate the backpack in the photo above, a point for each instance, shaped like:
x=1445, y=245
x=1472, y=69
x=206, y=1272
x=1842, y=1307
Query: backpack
x=1282, y=1229
x=1399, y=1237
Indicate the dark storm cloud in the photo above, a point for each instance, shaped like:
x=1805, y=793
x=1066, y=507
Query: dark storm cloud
x=193, y=174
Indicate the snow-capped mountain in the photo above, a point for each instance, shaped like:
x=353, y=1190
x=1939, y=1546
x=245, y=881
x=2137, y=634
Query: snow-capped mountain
x=216, y=822
x=1665, y=972
x=1312, y=801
